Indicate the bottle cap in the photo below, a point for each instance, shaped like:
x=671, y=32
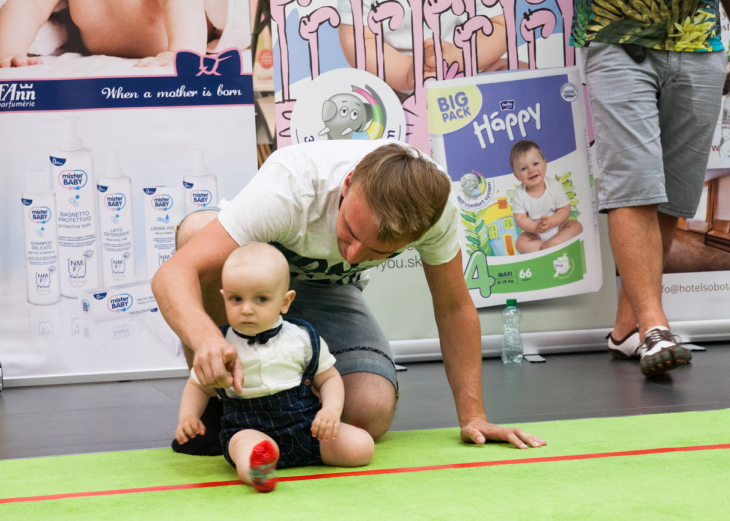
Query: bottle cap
x=512, y=302
x=39, y=181
x=113, y=168
x=69, y=135
x=199, y=168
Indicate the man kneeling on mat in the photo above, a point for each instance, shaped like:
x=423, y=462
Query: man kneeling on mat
x=276, y=420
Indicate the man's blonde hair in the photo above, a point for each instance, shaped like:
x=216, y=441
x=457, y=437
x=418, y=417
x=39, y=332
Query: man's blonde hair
x=405, y=191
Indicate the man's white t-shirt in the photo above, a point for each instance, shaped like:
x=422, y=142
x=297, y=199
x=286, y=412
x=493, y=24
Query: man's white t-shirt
x=552, y=199
x=293, y=202
x=402, y=38
x=276, y=365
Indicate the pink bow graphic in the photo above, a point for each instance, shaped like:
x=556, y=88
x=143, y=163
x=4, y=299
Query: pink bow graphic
x=212, y=62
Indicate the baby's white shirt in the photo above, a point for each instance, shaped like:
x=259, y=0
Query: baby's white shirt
x=552, y=199
x=277, y=365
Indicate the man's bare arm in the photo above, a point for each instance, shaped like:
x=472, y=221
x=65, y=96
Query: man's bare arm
x=460, y=335
x=176, y=286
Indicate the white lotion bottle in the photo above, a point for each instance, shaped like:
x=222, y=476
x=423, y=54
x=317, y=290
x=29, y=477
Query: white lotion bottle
x=72, y=173
x=201, y=188
x=41, y=240
x=116, y=225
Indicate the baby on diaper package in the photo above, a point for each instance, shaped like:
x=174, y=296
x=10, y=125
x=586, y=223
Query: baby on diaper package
x=540, y=205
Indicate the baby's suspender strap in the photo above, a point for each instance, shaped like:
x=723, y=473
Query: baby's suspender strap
x=311, y=370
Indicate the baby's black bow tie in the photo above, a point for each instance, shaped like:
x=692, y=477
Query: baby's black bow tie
x=262, y=337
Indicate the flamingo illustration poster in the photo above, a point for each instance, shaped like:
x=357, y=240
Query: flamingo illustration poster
x=381, y=56
x=517, y=150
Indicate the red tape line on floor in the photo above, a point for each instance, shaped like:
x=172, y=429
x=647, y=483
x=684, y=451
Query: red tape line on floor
x=373, y=472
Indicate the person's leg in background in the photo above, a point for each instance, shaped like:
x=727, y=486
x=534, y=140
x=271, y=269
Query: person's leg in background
x=678, y=122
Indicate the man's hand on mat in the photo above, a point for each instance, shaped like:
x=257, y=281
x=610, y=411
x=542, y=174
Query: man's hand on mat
x=189, y=427
x=326, y=424
x=479, y=431
x=218, y=365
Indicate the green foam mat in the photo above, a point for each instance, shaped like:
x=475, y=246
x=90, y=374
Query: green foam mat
x=680, y=485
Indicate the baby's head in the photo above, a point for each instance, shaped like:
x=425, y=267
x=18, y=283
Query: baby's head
x=255, y=283
x=528, y=163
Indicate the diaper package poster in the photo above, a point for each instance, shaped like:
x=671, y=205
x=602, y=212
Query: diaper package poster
x=528, y=236
x=103, y=154
x=358, y=69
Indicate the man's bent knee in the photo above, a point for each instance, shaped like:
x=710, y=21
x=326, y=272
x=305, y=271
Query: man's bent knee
x=369, y=402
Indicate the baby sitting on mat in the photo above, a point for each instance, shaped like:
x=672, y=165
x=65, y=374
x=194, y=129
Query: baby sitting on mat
x=540, y=206
x=276, y=421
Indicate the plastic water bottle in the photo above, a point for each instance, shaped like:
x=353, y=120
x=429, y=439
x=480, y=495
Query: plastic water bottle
x=511, y=339
x=725, y=139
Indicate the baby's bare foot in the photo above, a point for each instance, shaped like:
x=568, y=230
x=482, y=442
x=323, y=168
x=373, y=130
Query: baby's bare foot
x=164, y=59
x=19, y=61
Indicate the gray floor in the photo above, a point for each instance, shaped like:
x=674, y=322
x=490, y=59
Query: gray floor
x=74, y=419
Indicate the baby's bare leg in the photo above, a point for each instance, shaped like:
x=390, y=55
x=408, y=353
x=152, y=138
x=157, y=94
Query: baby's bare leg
x=241, y=448
x=567, y=231
x=528, y=243
x=353, y=447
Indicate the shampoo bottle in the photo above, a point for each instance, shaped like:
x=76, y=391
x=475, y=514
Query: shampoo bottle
x=41, y=240
x=201, y=188
x=116, y=223
x=72, y=172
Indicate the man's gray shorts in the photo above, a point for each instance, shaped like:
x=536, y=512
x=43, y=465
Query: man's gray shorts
x=345, y=322
x=654, y=123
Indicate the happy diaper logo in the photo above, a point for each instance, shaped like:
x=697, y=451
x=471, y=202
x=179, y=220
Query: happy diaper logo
x=119, y=303
x=452, y=108
x=475, y=191
x=162, y=202
x=201, y=198
x=40, y=214
x=512, y=110
x=73, y=179
x=115, y=202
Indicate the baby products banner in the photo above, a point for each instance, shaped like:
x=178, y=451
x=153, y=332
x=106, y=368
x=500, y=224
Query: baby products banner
x=190, y=86
x=516, y=148
x=102, y=159
x=358, y=69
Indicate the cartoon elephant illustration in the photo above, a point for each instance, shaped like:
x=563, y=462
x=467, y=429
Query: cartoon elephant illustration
x=344, y=114
x=469, y=186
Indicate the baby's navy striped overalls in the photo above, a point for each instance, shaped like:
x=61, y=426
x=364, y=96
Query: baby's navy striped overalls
x=286, y=416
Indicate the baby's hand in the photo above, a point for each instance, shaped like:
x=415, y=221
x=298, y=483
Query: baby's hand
x=164, y=59
x=189, y=427
x=544, y=224
x=450, y=53
x=326, y=425
x=19, y=61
